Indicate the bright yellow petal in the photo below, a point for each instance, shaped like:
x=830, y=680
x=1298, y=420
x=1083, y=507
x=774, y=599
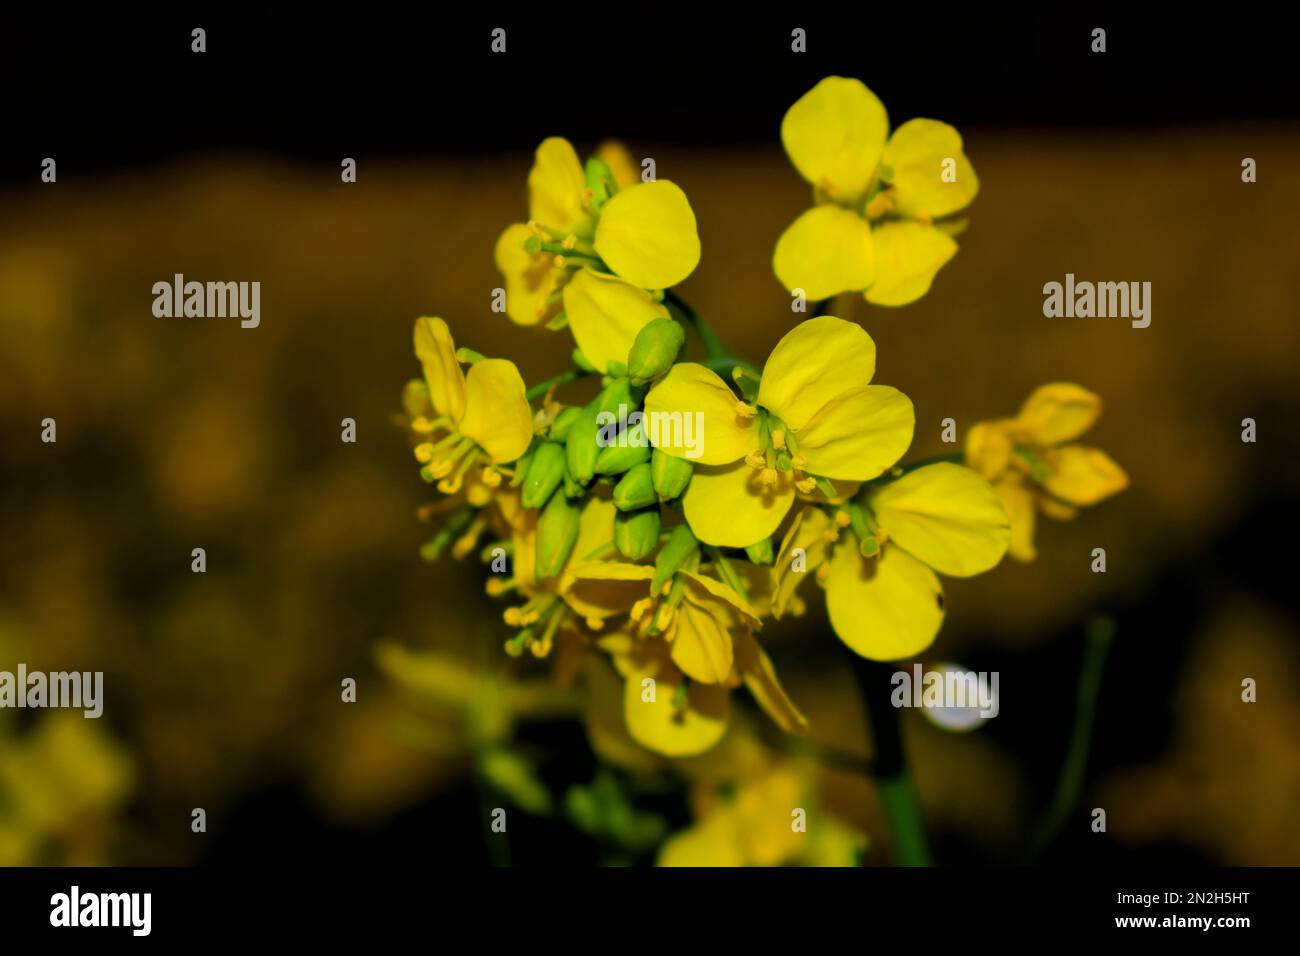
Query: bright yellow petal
x=497, y=416
x=437, y=353
x=884, y=608
x=809, y=534
x=666, y=729
x=1055, y=413
x=620, y=162
x=989, y=448
x=858, y=435
x=834, y=135
x=919, y=152
x=676, y=402
x=721, y=598
x=815, y=362
x=1018, y=502
x=701, y=642
x=531, y=279
x=826, y=251
x=1083, y=476
x=557, y=188
x=647, y=235
x=605, y=314
x=728, y=505
x=760, y=677
x=945, y=515
x=908, y=256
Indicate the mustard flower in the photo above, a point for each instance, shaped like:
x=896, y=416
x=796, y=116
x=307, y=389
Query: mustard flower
x=875, y=226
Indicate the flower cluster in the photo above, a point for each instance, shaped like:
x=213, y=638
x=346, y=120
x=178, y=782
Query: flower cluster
x=664, y=538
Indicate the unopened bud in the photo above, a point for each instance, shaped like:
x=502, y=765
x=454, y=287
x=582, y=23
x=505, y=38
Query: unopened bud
x=671, y=475
x=654, y=350
x=680, y=548
x=545, y=472
x=635, y=489
x=557, y=532
x=636, y=533
x=760, y=552
x=581, y=449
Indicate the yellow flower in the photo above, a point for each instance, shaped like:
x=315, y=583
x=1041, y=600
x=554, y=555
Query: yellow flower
x=878, y=561
x=693, y=641
x=878, y=197
x=481, y=418
x=597, y=243
x=816, y=416
x=751, y=823
x=1034, y=463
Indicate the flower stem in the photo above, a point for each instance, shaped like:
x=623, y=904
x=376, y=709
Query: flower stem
x=1101, y=631
x=714, y=347
x=541, y=388
x=890, y=771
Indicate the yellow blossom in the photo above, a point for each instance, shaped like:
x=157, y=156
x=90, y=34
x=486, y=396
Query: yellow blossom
x=481, y=418
x=1035, y=465
x=878, y=197
x=813, y=399
x=598, y=243
x=879, y=566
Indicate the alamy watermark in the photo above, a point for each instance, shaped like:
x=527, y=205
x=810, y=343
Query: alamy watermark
x=947, y=688
x=637, y=429
x=1124, y=300
x=209, y=300
x=75, y=689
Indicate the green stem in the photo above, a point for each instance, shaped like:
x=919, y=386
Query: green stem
x=541, y=388
x=1069, y=786
x=893, y=778
x=714, y=347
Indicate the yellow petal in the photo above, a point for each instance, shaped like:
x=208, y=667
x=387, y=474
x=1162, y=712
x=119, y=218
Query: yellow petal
x=945, y=515
x=497, y=416
x=908, y=255
x=676, y=402
x=531, y=279
x=620, y=162
x=647, y=235
x=760, y=677
x=826, y=251
x=989, y=448
x=834, y=135
x=1083, y=476
x=605, y=314
x=919, y=152
x=659, y=725
x=1018, y=502
x=1055, y=413
x=807, y=533
x=884, y=608
x=728, y=505
x=713, y=842
x=701, y=642
x=557, y=188
x=601, y=589
x=815, y=362
x=721, y=598
x=437, y=353
x=858, y=435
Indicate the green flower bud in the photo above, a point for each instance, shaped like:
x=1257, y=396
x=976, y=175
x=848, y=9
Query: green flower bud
x=680, y=548
x=654, y=350
x=616, y=369
x=557, y=532
x=761, y=552
x=545, y=473
x=636, y=533
x=580, y=446
x=635, y=489
x=671, y=475
x=617, y=392
x=617, y=458
x=521, y=466
x=563, y=422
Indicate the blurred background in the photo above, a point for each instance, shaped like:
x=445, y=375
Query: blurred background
x=223, y=689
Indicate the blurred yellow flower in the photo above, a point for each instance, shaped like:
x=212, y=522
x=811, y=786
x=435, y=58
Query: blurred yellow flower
x=1034, y=463
x=878, y=558
x=598, y=242
x=873, y=228
x=815, y=417
x=484, y=416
